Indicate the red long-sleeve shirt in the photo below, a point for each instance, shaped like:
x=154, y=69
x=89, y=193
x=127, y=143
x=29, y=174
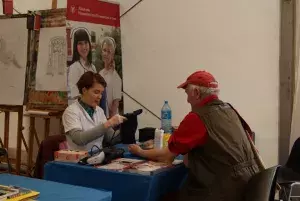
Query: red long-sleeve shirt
x=190, y=133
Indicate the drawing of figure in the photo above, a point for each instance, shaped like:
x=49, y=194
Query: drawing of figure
x=7, y=57
x=111, y=76
x=57, y=56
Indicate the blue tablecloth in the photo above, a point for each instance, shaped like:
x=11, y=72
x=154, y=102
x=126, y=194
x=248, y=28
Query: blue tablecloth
x=124, y=186
x=50, y=191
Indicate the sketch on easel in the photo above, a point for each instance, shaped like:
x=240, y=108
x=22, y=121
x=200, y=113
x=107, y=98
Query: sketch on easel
x=13, y=59
x=57, y=56
x=52, y=60
x=7, y=57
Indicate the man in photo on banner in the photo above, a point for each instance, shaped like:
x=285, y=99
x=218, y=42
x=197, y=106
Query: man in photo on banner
x=111, y=76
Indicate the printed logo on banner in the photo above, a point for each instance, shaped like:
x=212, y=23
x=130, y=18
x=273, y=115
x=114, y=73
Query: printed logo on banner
x=73, y=9
x=98, y=12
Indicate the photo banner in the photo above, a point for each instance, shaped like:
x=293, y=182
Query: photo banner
x=94, y=44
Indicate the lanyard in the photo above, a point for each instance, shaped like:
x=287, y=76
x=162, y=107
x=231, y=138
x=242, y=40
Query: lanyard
x=85, y=69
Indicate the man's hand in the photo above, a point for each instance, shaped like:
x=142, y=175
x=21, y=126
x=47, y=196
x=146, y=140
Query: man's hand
x=162, y=155
x=135, y=149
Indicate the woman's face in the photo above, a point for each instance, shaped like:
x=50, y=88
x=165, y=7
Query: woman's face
x=93, y=95
x=83, y=48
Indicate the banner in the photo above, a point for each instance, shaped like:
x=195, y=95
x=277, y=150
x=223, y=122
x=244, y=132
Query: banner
x=94, y=44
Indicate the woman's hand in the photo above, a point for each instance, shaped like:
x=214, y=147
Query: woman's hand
x=134, y=149
x=114, y=121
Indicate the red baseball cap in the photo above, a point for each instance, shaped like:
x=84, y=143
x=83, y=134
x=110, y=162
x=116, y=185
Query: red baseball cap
x=200, y=78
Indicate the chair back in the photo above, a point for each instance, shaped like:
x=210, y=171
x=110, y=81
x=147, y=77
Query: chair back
x=4, y=153
x=46, y=153
x=294, y=157
x=262, y=186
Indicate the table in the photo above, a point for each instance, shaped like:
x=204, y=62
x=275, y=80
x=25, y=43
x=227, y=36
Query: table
x=50, y=191
x=124, y=186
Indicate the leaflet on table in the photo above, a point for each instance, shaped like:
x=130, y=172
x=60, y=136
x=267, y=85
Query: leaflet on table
x=137, y=166
x=6, y=191
x=15, y=193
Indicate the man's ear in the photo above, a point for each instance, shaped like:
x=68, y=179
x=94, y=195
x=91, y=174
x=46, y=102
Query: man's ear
x=197, y=93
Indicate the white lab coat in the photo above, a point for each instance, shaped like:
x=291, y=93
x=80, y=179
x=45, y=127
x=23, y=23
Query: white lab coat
x=75, y=117
x=114, y=85
x=75, y=71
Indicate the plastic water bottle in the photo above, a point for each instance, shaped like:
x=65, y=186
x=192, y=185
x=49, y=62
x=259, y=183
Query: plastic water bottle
x=166, y=118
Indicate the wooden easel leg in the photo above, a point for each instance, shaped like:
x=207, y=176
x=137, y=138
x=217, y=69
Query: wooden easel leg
x=62, y=130
x=24, y=141
x=6, y=130
x=30, y=143
x=1, y=143
x=47, y=127
x=19, y=140
x=36, y=137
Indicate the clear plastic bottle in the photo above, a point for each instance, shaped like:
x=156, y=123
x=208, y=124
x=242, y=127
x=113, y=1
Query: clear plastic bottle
x=166, y=118
x=158, y=138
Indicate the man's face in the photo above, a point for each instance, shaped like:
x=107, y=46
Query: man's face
x=107, y=53
x=193, y=95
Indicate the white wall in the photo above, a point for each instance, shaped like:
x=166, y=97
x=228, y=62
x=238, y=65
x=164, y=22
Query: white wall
x=236, y=40
x=165, y=41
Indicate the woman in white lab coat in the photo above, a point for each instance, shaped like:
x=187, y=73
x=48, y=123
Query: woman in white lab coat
x=84, y=121
x=81, y=62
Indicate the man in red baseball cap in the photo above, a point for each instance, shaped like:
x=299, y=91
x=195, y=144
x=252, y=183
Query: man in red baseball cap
x=218, y=151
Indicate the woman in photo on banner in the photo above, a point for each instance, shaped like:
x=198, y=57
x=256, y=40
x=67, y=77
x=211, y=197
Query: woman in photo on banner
x=81, y=63
x=111, y=76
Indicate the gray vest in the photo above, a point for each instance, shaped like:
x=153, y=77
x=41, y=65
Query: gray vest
x=220, y=169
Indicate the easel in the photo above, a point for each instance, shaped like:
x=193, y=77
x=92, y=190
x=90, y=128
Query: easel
x=20, y=137
x=45, y=113
x=33, y=133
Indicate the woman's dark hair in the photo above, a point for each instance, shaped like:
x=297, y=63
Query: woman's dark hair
x=88, y=79
x=81, y=35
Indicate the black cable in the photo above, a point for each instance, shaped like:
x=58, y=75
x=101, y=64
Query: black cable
x=142, y=105
x=132, y=7
x=99, y=150
x=112, y=138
